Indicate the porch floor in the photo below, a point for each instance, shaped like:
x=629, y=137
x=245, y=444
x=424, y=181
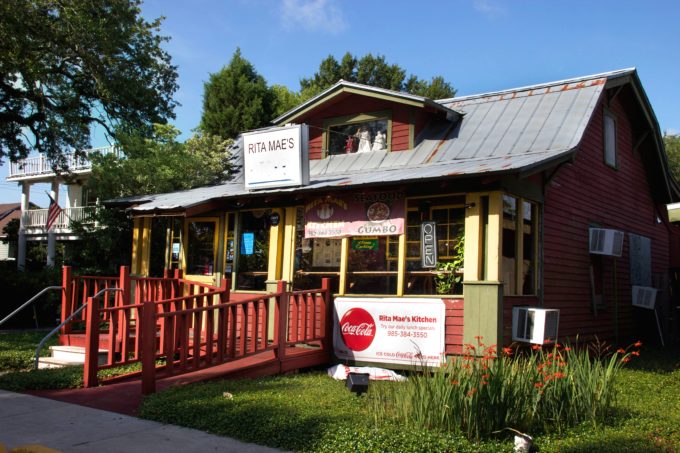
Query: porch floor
x=125, y=396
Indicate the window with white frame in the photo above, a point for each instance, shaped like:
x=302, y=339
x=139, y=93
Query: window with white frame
x=610, y=140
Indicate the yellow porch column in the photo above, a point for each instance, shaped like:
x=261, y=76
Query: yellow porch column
x=288, y=265
x=141, y=246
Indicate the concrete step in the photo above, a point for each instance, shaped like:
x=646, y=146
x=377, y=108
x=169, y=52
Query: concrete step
x=51, y=362
x=75, y=354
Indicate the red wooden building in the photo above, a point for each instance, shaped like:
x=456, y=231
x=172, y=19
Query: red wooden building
x=555, y=192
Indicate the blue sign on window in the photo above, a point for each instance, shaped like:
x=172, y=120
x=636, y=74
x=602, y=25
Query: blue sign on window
x=247, y=243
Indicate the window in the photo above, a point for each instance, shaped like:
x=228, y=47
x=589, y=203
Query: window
x=519, y=238
x=372, y=265
x=315, y=258
x=610, y=140
x=201, y=242
x=252, y=259
x=358, y=133
x=449, y=215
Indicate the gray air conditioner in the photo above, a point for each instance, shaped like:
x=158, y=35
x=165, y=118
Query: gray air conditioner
x=606, y=242
x=644, y=297
x=534, y=325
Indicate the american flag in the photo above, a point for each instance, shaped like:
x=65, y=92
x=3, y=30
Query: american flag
x=53, y=212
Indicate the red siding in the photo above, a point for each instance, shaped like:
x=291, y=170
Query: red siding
x=590, y=191
x=453, y=342
x=355, y=104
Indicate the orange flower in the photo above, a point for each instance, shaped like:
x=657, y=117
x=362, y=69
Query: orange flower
x=559, y=375
x=484, y=382
x=567, y=348
x=507, y=351
x=625, y=359
x=472, y=391
x=621, y=351
x=454, y=382
x=536, y=347
x=635, y=353
x=538, y=385
x=547, y=341
x=486, y=376
x=478, y=337
x=637, y=344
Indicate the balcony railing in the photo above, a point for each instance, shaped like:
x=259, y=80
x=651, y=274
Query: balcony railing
x=36, y=219
x=40, y=166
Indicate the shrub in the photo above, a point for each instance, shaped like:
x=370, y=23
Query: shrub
x=18, y=287
x=549, y=389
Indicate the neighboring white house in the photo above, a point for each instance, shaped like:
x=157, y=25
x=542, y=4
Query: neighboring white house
x=77, y=206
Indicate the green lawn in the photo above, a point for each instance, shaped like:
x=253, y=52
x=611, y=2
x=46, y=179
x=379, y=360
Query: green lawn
x=17, y=349
x=311, y=412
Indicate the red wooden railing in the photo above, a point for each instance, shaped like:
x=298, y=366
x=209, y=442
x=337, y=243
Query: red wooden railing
x=177, y=326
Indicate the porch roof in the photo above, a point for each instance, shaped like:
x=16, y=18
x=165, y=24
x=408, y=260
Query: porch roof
x=517, y=131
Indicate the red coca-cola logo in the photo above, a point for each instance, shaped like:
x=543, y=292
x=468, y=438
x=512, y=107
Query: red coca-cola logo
x=357, y=328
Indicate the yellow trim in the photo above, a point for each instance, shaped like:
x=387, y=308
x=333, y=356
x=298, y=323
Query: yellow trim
x=411, y=129
x=495, y=237
x=275, y=247
x=473, y=242
x=288, y=266
x=344, y=258
x=401, y=263
x=136, y=256
x=329, y=96
x=146, y=247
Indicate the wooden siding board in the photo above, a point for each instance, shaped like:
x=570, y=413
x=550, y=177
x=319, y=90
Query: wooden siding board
x=587, y=191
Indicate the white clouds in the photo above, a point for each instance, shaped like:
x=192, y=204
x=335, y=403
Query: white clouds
x=491, y=8
x=313, y=15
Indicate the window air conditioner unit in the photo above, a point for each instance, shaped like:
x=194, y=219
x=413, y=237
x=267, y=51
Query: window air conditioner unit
x=644, y=297
x=534, y=325
x=606, y=242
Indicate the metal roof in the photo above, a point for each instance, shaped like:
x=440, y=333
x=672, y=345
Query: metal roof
x=507, y=131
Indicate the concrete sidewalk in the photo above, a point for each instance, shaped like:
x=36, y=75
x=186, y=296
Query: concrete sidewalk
x=26, y=419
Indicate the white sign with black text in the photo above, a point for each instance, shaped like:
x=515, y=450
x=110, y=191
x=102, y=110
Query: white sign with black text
x=277, y=157
x=389, y=330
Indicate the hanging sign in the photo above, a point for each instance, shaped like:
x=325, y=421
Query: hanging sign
x=361, y=214
x=276, y=157
x=389, y=330
x=428, y=241
x=367, y=243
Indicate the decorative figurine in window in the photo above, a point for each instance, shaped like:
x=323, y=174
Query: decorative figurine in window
x=379, y=142
x=349, y=144
x=364, y=140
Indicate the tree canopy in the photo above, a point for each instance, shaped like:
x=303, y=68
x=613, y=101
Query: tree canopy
x=236, y=99
x=672, y=143
x=160, y=163
x=375, y=71
x=70, y=64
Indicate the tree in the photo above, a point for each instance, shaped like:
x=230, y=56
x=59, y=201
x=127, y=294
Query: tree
x=672, y=143
x=68, y=65
x=375, y=71
x=236, y=99
x=147, y=165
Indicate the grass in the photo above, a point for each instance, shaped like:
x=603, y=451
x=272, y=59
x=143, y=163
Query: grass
x=17, y=349
x=17, y=355
x=311, y=412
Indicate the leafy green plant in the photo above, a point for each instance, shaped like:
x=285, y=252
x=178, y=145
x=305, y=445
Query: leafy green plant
x=549, y=389
x=447, y=277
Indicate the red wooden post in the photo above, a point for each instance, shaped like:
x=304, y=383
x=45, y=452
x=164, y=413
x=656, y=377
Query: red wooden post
x=91, y=343
x=66, y=291
x=123, y=298
x=148, y=347
x=327, y=315
x=282, y=322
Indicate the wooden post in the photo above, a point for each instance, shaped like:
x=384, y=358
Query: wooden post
x=124, y=298
x=282, y=321
x=327, y=320
x=66, y=294
x=148, y=347
x=91, y=343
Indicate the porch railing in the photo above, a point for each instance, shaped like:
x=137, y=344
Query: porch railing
x=174, y=326
x=40, y=165
x=36, y=219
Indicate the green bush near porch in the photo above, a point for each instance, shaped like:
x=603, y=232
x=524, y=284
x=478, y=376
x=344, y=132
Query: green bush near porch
x=311, y=412
x=17, y=349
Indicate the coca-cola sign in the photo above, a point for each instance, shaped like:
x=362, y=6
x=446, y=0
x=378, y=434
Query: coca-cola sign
x=357, y=328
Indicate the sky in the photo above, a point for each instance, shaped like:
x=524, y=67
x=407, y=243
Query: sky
x=476, y=45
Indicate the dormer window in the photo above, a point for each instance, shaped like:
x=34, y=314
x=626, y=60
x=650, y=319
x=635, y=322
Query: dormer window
x=360, y=133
